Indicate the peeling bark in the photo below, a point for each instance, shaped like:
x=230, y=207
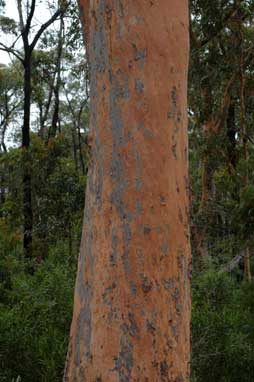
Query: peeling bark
x=132, y=297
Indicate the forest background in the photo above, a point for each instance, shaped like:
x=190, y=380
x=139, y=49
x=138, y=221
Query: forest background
x=43, y=166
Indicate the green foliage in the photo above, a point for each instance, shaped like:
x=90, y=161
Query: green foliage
x=35, y=316
x=36, y=308
x=8, y=25
x=222, y=329
x=221, y=169
x=247, y=203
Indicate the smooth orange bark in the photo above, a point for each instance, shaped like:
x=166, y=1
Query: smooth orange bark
x=132, y=298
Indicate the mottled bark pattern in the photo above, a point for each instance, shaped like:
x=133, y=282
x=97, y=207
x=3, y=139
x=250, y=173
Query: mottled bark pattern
x=132, y=298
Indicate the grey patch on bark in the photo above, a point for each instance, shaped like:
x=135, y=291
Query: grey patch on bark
x=99, y=41
x=138, y=169
x=117, y=166
x=84, y=329
x=107, y=293
x=139, y=86
x=99, y=185
x=120, y=12
x=86, y=258
x=146, y=132
x=120, y=8
x=116, y=198
x=164, y=370
x=174, y=331
x=131, y=327
x=114, y=241
x=139, y=55
x=138, y=184
x=176, y=295
x=168, y=284
x=124, y=362
x=159, y=229
x=139, y=207
x=107, y=299
x=165, y=248
x=126, y=241
x=120, y=91
x=133, y=288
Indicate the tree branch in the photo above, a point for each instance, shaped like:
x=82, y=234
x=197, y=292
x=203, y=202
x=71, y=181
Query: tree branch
x=7, y=49
x=44, y=27
x=21, y=23
x=30, y=16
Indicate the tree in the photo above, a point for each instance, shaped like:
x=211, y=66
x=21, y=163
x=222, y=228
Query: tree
x=132, y=298
x=25, y=57
x=10, y=99
x=219, y=100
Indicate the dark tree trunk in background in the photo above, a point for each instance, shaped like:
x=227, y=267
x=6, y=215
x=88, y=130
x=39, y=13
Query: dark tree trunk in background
x=74, y=145
x=81, y=158
x=25, y=29
x=231, y=134
x=27, y=186
x=131, y=319
x=55, y=119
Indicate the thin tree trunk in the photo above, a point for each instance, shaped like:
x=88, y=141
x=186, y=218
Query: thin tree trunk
x=3, y=132
x=55, y=118
x=81, y=158
x=76, y=123
x=211, y=129
x=247, y=265
x=231, y=135
x=132, y=299
x=4, y=123
x=247, y=268
x=74, y=145
x=27, y=187
x=2, y=185
x=199, y=232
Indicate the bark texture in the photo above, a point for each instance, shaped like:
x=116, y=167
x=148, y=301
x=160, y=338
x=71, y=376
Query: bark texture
x=132, y=298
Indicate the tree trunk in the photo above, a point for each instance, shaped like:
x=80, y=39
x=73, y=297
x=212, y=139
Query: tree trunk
x=247, y=267
x=81, y=158
x=199, y=232
x=231, y=135
x=132, y=299
x=74, y=145
x=27, y=191
x=55, y=118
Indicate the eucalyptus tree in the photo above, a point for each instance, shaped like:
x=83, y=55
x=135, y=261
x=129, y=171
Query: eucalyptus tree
x=132, y=299
x=221, y=75
x=27, y=32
